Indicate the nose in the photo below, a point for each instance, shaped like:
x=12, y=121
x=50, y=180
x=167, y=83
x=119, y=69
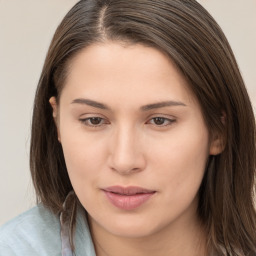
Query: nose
x=126, y=155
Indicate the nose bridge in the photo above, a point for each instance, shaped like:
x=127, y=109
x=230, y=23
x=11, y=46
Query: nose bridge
x=126, y=154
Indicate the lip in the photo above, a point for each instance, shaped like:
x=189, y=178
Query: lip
x=128, y=198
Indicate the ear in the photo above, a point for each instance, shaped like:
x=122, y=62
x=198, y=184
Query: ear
x=54, y=105
x=216, y=146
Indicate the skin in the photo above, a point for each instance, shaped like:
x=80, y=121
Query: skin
x=131, y=146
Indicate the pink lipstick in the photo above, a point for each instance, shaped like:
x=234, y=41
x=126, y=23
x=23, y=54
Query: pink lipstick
x=128, y=198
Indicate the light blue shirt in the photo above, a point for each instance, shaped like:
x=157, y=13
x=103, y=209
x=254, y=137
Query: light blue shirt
x=37, y=233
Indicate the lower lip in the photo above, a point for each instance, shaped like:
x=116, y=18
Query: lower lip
x=128, y=202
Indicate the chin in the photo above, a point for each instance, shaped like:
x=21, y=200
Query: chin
x=132, y=232
x=135, y=227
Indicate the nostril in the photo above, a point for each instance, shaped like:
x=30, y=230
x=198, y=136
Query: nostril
x=125, y=171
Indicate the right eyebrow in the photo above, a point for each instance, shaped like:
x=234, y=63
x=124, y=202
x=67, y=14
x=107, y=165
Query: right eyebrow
x=91, y=103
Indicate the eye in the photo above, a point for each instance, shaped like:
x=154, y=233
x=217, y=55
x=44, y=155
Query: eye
x=161, y=121
x=93, y=121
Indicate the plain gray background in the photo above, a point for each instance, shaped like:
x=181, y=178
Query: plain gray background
x=26, y=28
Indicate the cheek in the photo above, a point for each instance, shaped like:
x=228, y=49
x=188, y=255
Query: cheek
x=180, y=161
x=84, y=168
x=84, y=154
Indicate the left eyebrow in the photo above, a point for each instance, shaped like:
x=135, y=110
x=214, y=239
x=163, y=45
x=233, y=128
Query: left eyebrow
x=162, y=104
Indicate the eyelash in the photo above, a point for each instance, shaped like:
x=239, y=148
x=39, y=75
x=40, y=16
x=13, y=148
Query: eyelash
x=164, y=119
x=88, y=121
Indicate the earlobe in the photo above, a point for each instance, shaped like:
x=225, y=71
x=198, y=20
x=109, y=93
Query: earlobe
x=53, y=103
x=54, y=106
x=218, y=143
x=216, y=147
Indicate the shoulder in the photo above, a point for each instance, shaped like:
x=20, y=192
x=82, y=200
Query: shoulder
x=83, y=240
x=35, y=232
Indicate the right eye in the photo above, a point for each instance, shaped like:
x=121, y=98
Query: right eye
x=93, y=121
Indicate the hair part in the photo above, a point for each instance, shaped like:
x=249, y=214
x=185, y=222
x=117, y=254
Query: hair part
x=188, y=34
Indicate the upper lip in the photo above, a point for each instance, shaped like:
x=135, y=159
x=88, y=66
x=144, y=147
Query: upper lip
x=131, y=190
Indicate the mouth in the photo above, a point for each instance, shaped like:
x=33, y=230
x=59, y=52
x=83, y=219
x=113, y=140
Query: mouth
x=128, y=198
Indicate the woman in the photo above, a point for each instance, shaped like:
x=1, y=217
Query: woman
x=138, y=138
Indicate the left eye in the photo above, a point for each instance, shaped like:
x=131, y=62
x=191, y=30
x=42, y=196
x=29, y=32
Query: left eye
x=93, y=121
x=161, y=121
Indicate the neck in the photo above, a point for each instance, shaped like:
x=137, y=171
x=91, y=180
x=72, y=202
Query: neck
x=173, y=240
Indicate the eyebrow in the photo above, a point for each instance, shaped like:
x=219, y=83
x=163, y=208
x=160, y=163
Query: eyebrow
x=147, y=107
x=162, y=105
x=91, y=103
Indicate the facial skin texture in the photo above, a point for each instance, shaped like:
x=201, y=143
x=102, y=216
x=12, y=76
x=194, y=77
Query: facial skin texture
x=130, y=148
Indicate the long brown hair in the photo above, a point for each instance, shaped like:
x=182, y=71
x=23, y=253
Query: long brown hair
x=188, y=34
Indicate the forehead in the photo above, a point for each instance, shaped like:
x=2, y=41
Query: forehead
x=126, y=71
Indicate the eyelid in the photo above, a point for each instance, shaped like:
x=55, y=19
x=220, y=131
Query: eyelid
x=84, y=120
x=168, y=118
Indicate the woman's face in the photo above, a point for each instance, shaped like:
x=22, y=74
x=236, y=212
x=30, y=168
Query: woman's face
x=134, y=139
